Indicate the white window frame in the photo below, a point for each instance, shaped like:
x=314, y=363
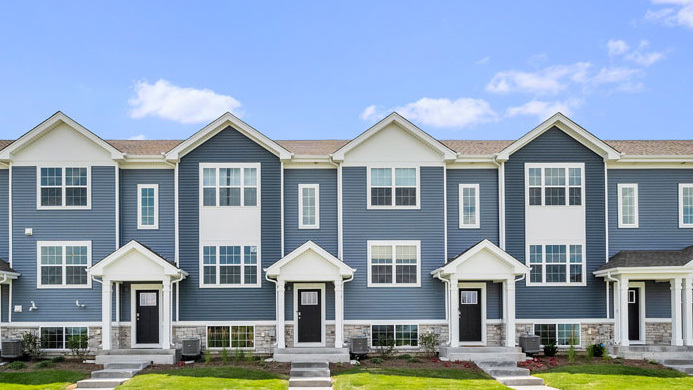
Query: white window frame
x=241, y=166
x=681, y=224
x=561, y=322
x=316, y=187
x=62, y=244
x=64, y=335
x=230, y=325
x=202, y=284
x=394, y=244
x=477, y=215
x=393, y=187
x=394, y=332
x=63, y=186
x=566, y=167
x=621, y=224
x=567, y=264
x=141, y=226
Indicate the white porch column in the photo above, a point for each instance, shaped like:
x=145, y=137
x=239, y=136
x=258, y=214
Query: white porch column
x=339, y=313
x=454, y=312
x=106, y=314
x=688, y=310
x=676, y=331
x=509, y=287
x=166, y=306
x=622, y=316
x=281, y=286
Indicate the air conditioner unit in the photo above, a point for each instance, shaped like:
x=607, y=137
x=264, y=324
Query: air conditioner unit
x=358, y=346
x=11, y=348
x=530, y=343
x=191, y=347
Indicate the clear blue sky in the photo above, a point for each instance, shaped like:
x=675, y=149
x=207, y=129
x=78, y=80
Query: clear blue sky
x=308, y=69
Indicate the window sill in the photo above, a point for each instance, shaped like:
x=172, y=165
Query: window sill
x=394, y=285
x=148, y=228
x=309, y=227
x=63, y=208
x=63, y=286
x=583, y=284
x=629, y=226
x=230, y=286
x=470, y=227
x=417, y=207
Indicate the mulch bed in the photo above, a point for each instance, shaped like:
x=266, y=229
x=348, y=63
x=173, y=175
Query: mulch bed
x=67, y=365
x=398, y=362
x=273, y=367
x=541, y=363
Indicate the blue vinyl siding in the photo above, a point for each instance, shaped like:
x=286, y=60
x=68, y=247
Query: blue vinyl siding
x=96, y=225
x=326, y=236
x=361, y=225
x=199, y=304
x=562, y=301
x=494, y=301
x=160, y=240
x=289, y=302
x=657, y=299
x=4, y=302
x=461, y=239
x=658, y=205
x=4, y=215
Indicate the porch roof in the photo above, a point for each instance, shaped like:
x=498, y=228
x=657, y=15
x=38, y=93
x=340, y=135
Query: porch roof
x=7, y=272
x=654, y=262
x=135, y=262
x=482, y=261
x=309, y=262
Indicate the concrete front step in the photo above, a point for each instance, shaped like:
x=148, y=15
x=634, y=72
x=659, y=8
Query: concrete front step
x=654, y=355
x=676, y=362
x=309, y=373
x=102, y=383
x=152, y=356
x=299, y=365
x=310, y=382
x=482, y=357
x=125, y=366
x=111, y=373
x=520, y=381
x=506, y=371
x=688, y=369
x=331, y=355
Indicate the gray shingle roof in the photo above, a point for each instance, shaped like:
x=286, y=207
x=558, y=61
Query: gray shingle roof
x=4, y=267
x=649, y=258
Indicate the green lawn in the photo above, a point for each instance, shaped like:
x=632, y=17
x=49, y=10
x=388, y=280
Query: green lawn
x=407, y=378
x=615, y=377
x=211, y=378
x=48, y=380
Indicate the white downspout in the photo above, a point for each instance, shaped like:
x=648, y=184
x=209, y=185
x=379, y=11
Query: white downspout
x=617, y=322
x=447, y=301
x=501, y=202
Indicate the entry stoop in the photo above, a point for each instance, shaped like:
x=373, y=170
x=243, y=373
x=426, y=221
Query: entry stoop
x=112, y=376
x=330, y=355
x=499, y=362
x=310, y=375
x=149, y=356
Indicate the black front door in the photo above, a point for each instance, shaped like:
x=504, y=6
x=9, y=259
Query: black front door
x=147, y=313
x=634, y=314
x=470, y=314
x=309, y=314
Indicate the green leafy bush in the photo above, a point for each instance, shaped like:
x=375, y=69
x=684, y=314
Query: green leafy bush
x=590, y=353
x=572, y=354
x=377, y=361
x=429, y=342
x=58, y=359
x=78, y=345
x=405, y=356
x=386, y=347
x=598, y=349
x=31, y=345
x=44, y=364
x=238, y=355
x=208, y=356
x=550, y=350
x=224, y=355
x=17, y=365
x=413, y=360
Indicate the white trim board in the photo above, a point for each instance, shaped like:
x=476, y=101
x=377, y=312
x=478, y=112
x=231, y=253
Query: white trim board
x=323, y=318
x=133, y=314
x=482, y=286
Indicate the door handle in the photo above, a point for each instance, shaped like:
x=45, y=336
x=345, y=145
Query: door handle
x=138, y=316
x=298, y=313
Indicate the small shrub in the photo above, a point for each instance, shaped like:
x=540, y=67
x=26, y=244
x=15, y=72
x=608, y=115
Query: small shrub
x=31, y=345
x=572, y=354
x=590, y=353
x=653, y=362
x=44, y=364
x=224, y=355
x=405, y=356
x=386, y=347
x=598, y=350
x=606, y=357
x=78, y=345
x=429, y=342
x=208, y=356
x=249, y=356
x=17, y=365
x=550, y=350
x=413, y=360
x=58, y=359
x=377, y=361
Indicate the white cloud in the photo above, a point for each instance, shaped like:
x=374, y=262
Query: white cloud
x=639, y=55
x=184, y=105
x=613, y=75
x=459, y=113
x=484, y=61
x=617, y=47
x=138, y=137
x=676, y=13
x=547, y=81
x=543, y=109
x=370, y=113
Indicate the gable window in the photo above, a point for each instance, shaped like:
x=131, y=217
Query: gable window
x=469, y=206
x=686, y=205
x=393, y=187
x=627, y=205
x=558, y=334
x=59, y=337
x=63, y=187
x=63, y=264
x=399, y=335
x=230, y=266
x=556, y=264
x=229, y=185
x=394, y=263
x=554, y=184
x=309, y=206
x=148, y=206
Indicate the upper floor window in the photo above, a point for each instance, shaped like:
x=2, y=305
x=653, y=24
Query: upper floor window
x=63, y=187
x=556, y=264
x=230, y=266
x=627, y=205
x=148, y=206
x=394, y=263
x=309, y=206
x=63, y=264
x=227, y=185
x=555, y=184
x=469, y=206
x=686, y=205
x=393, y=188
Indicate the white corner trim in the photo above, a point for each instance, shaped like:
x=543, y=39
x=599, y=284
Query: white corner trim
x=141, y=226
x=634, y=187
x=316, y=224
x=477, y=210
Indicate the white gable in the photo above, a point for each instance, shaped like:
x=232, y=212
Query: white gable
x=134, y=266
x=62, y=144
x=309, y=266
x=484, y=265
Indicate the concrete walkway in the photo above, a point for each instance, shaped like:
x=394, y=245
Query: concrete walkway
x=533, y=388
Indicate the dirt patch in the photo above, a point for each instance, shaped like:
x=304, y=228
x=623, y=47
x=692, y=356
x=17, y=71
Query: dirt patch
x=403, y=362
x=541, y=363
x=260, y=365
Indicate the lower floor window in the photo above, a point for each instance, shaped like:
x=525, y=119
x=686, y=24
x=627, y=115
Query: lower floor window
x=242, y=336
x=396, y=335
x=558, y=334
x=59, y=337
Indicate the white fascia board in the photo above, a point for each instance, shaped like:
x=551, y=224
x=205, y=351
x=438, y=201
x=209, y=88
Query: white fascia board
x=648, y=273
x=447, y=153
x=569, y=127
x=274, y=270
x=218, y=125
x=169, y=269
x=451, y=266
x=50, y=123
